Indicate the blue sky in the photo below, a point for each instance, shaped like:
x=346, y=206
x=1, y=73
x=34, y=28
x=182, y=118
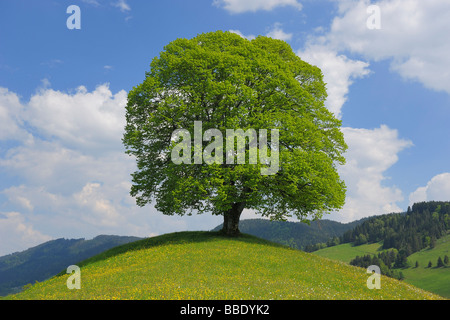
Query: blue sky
x=63, y=172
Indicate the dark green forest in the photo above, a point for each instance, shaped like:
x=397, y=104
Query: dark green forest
x=402, y=234
x=408, y=232
x=296, y=235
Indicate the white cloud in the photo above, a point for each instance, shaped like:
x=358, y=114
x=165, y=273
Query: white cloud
x=16, y=196
x=84, y=120
x=17, y=234
x=437, y=189
x=122, y=5
x=371, y=153
x=248, y=37
x=92, y=198
x=92, y=2
x=10, y=123
x=45, y=84
x=338, y=70
x=241, y=6
x=414, y=36
x=69, y=159
x=277, y=32
x=35, y=197
x=72, y=177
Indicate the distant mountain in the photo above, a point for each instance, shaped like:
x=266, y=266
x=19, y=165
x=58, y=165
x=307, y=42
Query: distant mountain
x=297, y=235
x=47, y=259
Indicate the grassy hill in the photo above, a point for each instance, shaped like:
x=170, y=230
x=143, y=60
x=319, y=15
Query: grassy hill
x=47, y=259
x=433, y=279
x=205, y=265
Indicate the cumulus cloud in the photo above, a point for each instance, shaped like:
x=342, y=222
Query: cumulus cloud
x=277, y=32
x=339, y=72
x=71, y=175
x=248, y=37
x=371, y=153
x=104, y=212
x=10, y=122
x=16, y=196
x=241, y=6
x=83, y=120
x=17, y=233
x=437, y=189
x=68, y=159
x=414, y=36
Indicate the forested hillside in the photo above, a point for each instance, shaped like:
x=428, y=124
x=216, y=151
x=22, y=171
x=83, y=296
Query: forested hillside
x=47, y=259
x=399, y=235
x=297, y=235
x=408, y=232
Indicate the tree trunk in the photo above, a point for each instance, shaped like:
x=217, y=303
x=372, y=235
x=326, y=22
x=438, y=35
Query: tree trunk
x=231, y=220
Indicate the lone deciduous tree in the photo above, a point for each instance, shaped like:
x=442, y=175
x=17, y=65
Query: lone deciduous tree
x=229, y=82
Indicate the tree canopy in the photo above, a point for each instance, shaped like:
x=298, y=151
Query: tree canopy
x=224, y=81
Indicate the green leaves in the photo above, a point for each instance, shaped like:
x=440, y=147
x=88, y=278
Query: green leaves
x=229, y=82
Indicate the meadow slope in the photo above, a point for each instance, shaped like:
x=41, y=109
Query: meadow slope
x=205, y=265
x=432, y=279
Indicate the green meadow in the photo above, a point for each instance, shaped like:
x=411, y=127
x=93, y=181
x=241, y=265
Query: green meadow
x=347, y=251
x=433, y=279
x=205, y=265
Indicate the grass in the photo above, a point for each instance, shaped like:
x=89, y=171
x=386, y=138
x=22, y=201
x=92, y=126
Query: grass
x=346, y=252
x=433, y=279
x=205, y=265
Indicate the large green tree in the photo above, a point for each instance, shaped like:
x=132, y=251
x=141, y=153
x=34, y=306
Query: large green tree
x=228, y=82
